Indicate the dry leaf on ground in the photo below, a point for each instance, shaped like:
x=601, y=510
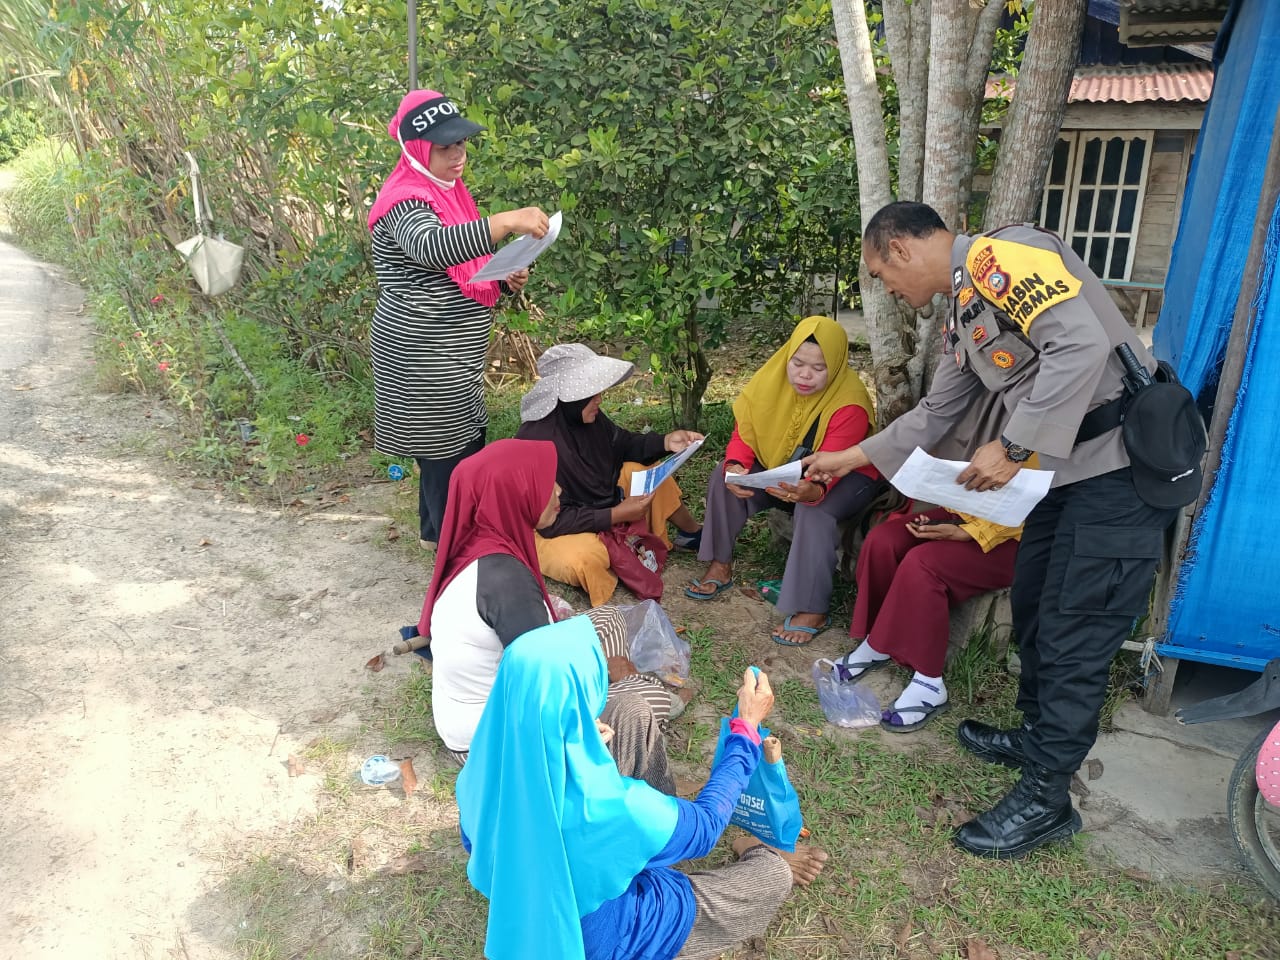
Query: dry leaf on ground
x=409, y=863
x=358, y=855
x=977, y=949
x=296, y=766
x=393, y=534
x=1094, y=767
x=904, y=936
x=688, y=787
x=375, y=664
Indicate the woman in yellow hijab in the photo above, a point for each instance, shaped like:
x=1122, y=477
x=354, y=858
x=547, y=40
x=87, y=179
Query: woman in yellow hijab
x=805, y=398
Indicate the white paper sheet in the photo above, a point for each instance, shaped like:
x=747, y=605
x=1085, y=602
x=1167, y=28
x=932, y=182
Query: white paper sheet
x=927, y=478
x=646, y=481
x=519, y=253
x=787, y=473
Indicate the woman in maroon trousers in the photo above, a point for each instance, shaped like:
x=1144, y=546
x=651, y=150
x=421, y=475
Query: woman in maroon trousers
x=910, y=572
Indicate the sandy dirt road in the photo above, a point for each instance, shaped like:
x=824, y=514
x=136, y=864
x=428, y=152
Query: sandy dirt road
x=163, y=650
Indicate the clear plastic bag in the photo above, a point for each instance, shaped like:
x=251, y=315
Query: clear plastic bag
x=654, y=645
x=845, y=704
x=561, y=607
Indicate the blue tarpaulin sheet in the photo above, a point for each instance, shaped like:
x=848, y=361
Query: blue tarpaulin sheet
x=1226, y=608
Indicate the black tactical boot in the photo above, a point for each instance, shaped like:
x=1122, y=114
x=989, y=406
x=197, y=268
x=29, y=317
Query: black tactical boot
x=1036, y=811
x=993, y=744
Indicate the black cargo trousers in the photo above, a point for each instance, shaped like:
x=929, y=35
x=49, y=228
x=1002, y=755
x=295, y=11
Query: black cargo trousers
x=1084, y=572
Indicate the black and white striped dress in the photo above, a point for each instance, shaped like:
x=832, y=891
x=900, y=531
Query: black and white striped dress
x=428, y=340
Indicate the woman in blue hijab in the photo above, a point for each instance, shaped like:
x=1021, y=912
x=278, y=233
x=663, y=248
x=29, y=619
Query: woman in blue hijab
x=574, y=858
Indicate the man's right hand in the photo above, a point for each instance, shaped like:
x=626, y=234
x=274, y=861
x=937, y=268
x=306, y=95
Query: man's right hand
x=632, y=508
x=826, y=465
x=755, y=697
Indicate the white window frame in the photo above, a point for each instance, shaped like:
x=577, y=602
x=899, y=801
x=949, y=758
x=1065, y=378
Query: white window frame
x=1075, y=161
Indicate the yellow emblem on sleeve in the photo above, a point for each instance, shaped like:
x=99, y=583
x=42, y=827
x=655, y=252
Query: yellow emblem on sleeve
x=1022, y=281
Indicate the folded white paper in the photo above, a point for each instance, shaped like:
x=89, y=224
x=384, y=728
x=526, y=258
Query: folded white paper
x=519, y=253
x=927, y=478
x=787, y=473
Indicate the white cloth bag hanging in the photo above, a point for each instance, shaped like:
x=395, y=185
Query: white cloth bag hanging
x=214, y=262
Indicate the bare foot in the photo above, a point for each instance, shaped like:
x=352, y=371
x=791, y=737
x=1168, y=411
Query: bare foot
x=717, y=571
x=806, y=863
x=817, y=621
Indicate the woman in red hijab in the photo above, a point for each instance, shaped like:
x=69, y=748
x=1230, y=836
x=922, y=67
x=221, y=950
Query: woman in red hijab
x=487, y=591
x=431, y=327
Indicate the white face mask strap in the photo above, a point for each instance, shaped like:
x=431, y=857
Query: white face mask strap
x=413, y=162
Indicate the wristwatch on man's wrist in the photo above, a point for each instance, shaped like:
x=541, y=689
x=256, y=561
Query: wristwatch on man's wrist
x=1015, y=453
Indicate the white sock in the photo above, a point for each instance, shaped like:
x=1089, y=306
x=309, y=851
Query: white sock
x=920, y=691
x=867, y=652
x=863, y=654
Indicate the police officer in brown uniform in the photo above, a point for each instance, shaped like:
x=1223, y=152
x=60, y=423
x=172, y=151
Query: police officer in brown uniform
x=1027, y=320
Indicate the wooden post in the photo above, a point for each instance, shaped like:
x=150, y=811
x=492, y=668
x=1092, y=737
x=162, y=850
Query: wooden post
x=1157, y=699
x=413, y=45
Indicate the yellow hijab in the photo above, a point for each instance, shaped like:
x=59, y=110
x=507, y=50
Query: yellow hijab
x=773, y=418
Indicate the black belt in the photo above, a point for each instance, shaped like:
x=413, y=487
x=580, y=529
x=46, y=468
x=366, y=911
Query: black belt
x=1102, y=419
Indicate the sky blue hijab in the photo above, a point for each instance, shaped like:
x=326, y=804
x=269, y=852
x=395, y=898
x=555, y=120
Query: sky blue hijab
x=555, y=830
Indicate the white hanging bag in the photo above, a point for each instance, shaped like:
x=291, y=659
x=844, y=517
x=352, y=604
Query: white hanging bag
x=214, y=262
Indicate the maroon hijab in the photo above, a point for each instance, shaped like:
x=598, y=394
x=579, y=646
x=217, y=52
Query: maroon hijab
x=495, y=499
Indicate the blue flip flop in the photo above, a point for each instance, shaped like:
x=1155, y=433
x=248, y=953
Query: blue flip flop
x=811, y=631
x=720, y=585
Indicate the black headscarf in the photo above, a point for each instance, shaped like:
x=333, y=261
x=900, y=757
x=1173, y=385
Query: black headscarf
x=589, y=461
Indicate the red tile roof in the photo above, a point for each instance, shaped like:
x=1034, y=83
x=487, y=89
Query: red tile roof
x=1141, y=83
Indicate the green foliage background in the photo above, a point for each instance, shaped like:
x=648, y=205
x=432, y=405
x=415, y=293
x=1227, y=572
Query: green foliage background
x=699, y=156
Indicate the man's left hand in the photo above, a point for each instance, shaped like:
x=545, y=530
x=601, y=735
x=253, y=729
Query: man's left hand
x=516, y=281
x=677, y=440
x=989, y=469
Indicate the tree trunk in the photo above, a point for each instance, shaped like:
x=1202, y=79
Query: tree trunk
x=690, y=394
x=889, y=355
x=979, y=68
x=950, y=37
x=962, y=38
x=906, y=29
x=1035, y=116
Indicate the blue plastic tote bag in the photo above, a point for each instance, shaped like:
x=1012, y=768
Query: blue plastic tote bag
x=768, y=808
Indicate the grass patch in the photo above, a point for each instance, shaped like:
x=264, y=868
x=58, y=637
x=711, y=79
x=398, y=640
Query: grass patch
x=895, y=887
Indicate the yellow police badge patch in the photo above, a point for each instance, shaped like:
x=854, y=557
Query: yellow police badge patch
x=1022, y=281
x=964, y=296
x=979, y=334
x=1002, y=359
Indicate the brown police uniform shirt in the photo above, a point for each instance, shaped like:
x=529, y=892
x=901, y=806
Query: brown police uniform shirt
x=1027, y=320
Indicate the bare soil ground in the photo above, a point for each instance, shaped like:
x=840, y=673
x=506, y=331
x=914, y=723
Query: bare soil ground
x=166, y=648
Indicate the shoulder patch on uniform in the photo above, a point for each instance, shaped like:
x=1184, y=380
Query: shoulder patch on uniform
x=964, y=296
x=1023, y=281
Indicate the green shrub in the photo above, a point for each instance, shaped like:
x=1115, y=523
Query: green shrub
x=19, y=128
x=40, y=205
